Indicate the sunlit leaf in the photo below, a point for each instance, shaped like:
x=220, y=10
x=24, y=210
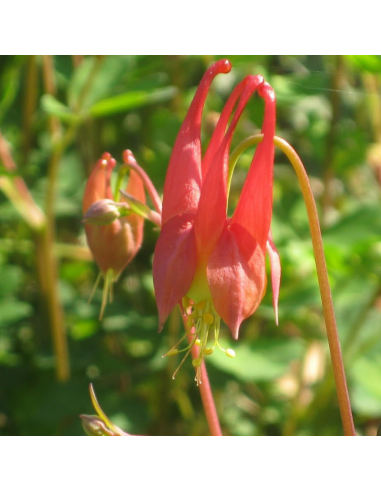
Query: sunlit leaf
x=55, y=108
x=262, y=360
x=369, y=63
x=130, y=100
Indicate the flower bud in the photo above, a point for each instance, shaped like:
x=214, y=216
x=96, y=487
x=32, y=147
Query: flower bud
x=113, y=237
x=102, y=212
x=93, y=425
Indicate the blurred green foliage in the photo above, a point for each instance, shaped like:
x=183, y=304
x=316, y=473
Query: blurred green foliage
x=281, y=382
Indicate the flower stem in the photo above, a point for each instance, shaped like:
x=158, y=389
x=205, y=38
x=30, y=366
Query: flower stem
x=207, y=397
x=205, y=391
x=321, y=268
x=46, y=260
x=131, y=163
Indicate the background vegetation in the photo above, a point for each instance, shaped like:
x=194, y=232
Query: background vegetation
x=57, y=115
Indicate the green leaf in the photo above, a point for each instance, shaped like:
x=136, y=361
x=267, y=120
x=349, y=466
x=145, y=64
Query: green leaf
x=365, y=375
x=130, y=100
x=55, y=108
x=11, y=280
x=368, y=63
x=362, y=226
x=98, y=78
x=83, y=329
x=260, y=360
x=9, y=174
x=12, y=311
x=10, y=82
x=139, y=208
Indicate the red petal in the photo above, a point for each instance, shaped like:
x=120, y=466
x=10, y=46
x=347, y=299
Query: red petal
x=174, y=263
x=275, y=273
x=135, y=187
x=113, y=246
x=183, y=180
x=237, y=276
x=220, y=130
x=98, y=185
x=211, y=213
x=254, y=207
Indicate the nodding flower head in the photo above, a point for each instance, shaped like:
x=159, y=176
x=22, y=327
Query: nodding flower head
x=114, y=233
x=211, y=264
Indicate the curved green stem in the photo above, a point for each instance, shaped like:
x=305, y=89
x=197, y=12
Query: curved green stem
x=321, y=268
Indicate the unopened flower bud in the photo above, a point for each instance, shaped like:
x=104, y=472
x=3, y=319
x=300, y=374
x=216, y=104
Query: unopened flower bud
x=102, y=212
x=99, y=425
x=113, y=232
x=93, y=425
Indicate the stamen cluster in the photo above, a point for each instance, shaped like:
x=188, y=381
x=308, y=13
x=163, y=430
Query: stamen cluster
x=202, y=319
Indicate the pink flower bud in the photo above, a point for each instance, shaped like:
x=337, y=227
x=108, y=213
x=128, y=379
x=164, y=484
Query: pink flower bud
x=102, y=212
x=115, y=243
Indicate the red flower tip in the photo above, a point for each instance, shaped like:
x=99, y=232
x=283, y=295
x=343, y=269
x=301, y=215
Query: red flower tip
x=221, y=66
x=183, y=181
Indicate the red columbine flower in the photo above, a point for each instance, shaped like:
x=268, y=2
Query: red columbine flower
x=113, y=237
x=212, y=264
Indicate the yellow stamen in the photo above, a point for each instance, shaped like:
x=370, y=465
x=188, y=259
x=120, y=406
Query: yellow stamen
x=197, y=362
x=202, y=319
x=200, y=305
x=208, y=318
x=173, y=351
x=230, y=353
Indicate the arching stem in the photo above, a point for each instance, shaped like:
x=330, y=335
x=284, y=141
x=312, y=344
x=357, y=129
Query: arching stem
x=321, y=268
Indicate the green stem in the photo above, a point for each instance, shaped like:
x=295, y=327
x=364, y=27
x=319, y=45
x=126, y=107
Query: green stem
x=46, y=260
x=322, y=274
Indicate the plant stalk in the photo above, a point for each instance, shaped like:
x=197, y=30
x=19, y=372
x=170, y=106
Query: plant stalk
x=322, y=274
x=46, y=261
x=206, y=392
